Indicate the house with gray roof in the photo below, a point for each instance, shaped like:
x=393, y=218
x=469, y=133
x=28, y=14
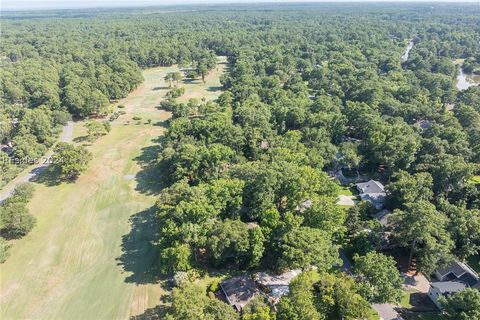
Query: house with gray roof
x=460, y=272
x=455, y=277
x=444, y=289
x=372, y=191
x=239, y=290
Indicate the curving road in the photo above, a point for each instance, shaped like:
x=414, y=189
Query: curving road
x=65, y=136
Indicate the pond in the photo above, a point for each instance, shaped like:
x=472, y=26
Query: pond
x=465, y=80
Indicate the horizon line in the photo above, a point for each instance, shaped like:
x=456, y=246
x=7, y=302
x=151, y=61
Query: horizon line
x=150, y=4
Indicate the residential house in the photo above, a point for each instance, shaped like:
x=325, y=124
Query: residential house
x=372, y=191
x=7, y=148
x=276, y=286
x=458, y=271
x=453, y=278
x=444, y=289
x=423, y=124
x=239, y=290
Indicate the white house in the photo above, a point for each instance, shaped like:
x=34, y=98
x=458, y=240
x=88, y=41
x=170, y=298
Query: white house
x=455, y=277
x=372, y=191
x=444, y=289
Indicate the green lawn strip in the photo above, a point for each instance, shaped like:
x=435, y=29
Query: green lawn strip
x=405, y=301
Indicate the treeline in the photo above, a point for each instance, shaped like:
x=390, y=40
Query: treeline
x=15, y=219
x=308, y=91
x=247, y=182
x=64, y=67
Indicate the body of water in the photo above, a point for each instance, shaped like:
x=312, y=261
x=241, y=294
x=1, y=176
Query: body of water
x=465, y=80
x=407, y=51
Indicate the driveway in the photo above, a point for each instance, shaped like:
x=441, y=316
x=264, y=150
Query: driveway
x=417, y=282
x=65, y=136
x=386, y=311
x=346, y=200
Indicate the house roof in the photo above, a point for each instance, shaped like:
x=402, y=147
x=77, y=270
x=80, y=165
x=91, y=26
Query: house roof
x=370, y=187
x=372, y=196
x=449, y=286
x=424, y=124
x=469, y=279
x=239, y=290
x=458, y=269
x=284, y=279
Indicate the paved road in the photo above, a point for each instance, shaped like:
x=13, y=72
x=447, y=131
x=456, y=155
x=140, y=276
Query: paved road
x=65, y=136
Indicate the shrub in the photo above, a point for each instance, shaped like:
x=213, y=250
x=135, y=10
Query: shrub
x=214, y=286
x=175, y=93
x=120, y=106
x=15, y=219
x=137, y=118
x=168, y=105
x=22, y=193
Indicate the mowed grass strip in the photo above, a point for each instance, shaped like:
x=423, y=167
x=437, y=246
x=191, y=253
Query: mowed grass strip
x=83, y=260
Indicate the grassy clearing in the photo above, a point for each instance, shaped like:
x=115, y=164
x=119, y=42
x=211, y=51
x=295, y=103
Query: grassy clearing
x=405, y=301
x=90, y=255
x=345, y=191
x=208, y=90
x=348, y=191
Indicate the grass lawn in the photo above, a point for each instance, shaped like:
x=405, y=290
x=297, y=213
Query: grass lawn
x=405, y=301
x=348, y=192
x=91, y=253
x=345, y=191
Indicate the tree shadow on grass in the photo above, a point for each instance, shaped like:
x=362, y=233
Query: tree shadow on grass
x=160, y=88
x=161, y=123
x=47, y=175
x=150, y=179
x=155, y=313
x=139, y=249
x=215, y=88
x=80, y=139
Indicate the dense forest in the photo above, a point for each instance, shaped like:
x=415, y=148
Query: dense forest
x=248, y=177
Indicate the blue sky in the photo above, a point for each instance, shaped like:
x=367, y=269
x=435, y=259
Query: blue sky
x=46, y=4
